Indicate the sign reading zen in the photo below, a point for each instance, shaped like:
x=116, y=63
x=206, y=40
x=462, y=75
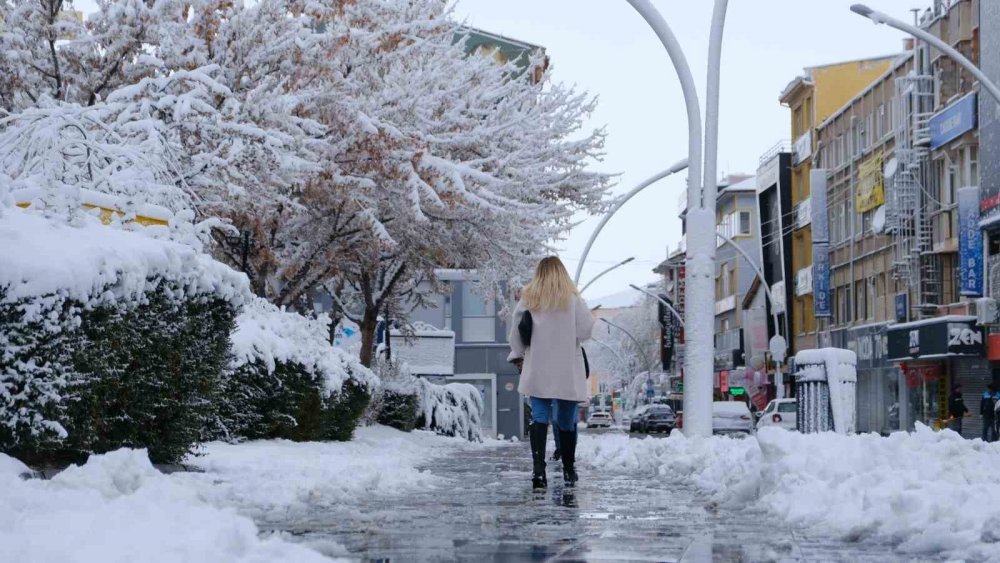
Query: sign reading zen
x=965, y=339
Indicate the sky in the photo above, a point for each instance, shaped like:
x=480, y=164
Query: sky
x=605, y=48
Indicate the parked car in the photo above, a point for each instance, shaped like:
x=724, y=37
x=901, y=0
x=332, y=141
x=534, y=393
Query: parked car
x=731, y=417
x=782, y=413
x=658, y=418
x=600, y=419
x=635, y=418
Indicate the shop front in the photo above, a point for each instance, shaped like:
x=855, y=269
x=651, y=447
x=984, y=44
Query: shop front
x=934, y=355
x=878, y=390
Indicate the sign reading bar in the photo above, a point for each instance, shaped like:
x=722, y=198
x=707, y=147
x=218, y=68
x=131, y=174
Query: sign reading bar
x=871, y=189
x=970, y=243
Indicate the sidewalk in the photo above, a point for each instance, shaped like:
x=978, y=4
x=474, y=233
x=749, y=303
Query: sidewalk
x=487, y=512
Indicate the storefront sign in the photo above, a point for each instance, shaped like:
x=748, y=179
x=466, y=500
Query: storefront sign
x=871, y=192
x=870, y=343
x=724, y=381
x=803, y=147
x=970, y=243
x=821, y=280
x=804, y=281
x=817, y=206
x=803, y=213
x=901, y=307
x=953, y=121
x=993, y=347
x=947, y=337
x=667, y=334
x=778, y=293
x=681, y=286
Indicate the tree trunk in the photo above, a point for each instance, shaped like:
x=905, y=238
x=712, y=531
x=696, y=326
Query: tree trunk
x=368, y=325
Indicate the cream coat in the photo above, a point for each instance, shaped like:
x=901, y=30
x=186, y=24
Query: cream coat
x=553, y=364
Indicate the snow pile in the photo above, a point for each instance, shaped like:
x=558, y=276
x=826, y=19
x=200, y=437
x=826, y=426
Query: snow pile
x=276, y=479
x=836, y=367
x=723, y=467
x=116, y=507
x=927, y=493
x=95, y=264
x=271, y=335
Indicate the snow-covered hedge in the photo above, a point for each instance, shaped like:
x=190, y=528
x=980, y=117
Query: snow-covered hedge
x=108, y=338
x=455, y=409
x=287, y=381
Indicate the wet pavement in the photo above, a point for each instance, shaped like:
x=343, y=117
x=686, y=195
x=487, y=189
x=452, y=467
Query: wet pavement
x=487, y=512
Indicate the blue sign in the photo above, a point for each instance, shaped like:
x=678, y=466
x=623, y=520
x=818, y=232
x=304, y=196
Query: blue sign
x=821, y=280
x=949, y=123
x=901, y=306
x=817, y=193
x=970, y=243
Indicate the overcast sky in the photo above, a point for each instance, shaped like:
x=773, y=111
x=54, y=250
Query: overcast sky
x=605, y=48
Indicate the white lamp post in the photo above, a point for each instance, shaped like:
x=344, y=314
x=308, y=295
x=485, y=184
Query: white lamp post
x=700, y=257
x=661, y=300
x=881, y=18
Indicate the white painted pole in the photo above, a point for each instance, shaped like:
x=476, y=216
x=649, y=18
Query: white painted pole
x=699, y=264
x=882, y=18
x=677, y=167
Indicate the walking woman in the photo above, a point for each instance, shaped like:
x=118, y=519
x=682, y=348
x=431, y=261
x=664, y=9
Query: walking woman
x=551, y=361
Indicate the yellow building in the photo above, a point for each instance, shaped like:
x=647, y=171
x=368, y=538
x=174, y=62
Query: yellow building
x=812, y=98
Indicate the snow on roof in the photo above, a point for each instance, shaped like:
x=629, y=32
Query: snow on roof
x=933, y=320
x=88, y=261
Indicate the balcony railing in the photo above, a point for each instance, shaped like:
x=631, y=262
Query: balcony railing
x=781, y=146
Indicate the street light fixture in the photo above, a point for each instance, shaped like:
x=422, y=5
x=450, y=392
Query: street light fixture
x=661, y=300
x=882, y=18
x=649, y=365
x=598, y=276
x=677, y=167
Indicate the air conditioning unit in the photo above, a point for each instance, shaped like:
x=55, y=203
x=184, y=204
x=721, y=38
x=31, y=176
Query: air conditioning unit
x=986, y=311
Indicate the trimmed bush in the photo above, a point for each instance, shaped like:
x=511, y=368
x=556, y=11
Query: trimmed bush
x=108, y=339
x=287, y=381
x=399, y=409
x=85, y=381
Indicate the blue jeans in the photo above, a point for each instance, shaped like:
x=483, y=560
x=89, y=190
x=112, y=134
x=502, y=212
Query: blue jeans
x=564, y=417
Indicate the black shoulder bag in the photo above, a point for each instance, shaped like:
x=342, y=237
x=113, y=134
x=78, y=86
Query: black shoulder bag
x=524, y=329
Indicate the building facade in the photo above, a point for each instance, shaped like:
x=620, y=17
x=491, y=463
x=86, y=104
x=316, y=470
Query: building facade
x=738, y=220
x=900, y=164
x=811, y=99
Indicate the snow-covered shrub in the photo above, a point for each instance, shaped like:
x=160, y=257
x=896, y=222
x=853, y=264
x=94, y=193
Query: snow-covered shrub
x=108, y=338
x=455, y=409
x=396, y=400
x=287, y=381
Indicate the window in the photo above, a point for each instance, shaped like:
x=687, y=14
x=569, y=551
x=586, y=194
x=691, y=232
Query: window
x=744, y=223
x=860, y=300
x=478, y=316
x=725, y=283
x=871, y=298
x=447, y=309
x=788, y=406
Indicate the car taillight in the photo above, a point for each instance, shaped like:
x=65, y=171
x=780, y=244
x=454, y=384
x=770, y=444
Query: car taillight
x=776, y=418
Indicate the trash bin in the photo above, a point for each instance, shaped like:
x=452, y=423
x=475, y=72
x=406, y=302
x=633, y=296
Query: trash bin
x=826, y=389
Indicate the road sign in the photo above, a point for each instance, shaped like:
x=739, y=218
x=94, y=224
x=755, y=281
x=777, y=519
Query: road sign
x=778, y=348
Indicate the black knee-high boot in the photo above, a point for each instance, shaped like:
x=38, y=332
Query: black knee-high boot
x=567, y=445
x=537, y=435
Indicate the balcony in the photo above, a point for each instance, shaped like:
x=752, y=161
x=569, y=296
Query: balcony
x=725, y=304
x=781, y=146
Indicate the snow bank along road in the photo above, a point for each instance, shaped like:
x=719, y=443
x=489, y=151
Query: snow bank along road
x=925, y=495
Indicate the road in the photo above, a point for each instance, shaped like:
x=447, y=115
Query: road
x=487, y=512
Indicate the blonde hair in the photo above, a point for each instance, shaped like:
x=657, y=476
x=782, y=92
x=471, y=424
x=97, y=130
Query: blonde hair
x=551, y=288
